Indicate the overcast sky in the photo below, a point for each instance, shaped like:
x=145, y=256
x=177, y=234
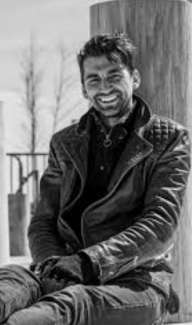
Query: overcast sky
x=49, y=20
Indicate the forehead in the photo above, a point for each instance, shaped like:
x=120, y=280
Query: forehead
x=101, y=63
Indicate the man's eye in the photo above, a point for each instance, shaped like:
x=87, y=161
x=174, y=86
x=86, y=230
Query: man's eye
x=115, y=78
x=93, y=82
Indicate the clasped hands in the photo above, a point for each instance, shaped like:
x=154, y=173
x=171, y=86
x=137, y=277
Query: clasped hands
x=58, y=272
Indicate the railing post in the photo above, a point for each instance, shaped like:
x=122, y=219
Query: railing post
x=4, y=228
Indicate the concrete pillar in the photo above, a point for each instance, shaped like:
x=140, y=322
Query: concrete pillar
x=4, y=227
x=162, y=32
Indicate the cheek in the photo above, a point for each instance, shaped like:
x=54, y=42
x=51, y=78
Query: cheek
x=91, y=92
x=89, y=96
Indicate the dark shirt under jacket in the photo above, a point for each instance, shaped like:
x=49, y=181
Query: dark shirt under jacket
x=101, y=162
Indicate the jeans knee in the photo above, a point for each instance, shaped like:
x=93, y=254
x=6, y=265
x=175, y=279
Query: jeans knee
x=73, y=303
x=19, y=288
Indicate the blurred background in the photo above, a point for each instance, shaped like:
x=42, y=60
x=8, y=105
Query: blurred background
x=40, y=93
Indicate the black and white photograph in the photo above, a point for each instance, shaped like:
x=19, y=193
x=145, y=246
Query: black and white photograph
x=95, y=162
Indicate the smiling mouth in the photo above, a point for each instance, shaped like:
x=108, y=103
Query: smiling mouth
x=107, y=99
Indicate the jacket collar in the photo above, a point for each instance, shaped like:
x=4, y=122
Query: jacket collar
x=137, y=148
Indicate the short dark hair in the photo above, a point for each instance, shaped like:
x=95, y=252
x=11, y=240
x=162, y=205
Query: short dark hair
x=117, y=48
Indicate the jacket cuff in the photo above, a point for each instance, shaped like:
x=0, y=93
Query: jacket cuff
x=90, y=270
x=108, y=268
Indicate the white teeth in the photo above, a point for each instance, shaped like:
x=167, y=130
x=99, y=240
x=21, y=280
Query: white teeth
x=107, y=99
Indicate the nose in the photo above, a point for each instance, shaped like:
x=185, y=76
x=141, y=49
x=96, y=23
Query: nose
x=105, y=86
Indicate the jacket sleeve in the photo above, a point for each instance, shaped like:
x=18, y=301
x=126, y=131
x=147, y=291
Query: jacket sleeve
x=42, y=232
x=151, y=236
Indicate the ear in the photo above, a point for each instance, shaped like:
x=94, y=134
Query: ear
x=136, y=79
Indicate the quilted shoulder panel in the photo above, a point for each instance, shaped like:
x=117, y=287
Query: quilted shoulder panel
x=160, y=131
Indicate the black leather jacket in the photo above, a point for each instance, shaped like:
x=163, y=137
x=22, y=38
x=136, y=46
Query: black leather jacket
x=130, y=232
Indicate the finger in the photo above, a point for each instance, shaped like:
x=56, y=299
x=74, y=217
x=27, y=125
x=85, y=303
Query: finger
x=48, y=286
x=59, y=271
x=46, y=271
x=53, y=273
x=49, y=262
x=51, y=285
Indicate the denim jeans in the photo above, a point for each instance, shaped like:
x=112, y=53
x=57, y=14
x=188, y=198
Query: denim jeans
x=21, y=302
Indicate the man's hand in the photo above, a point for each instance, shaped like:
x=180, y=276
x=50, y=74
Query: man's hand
x=70, y=269
x=49, y=285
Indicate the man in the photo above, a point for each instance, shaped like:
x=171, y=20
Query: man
x=110, y=202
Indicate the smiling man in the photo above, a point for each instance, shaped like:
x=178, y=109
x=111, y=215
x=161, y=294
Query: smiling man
x=109, y=88
x=111, y=196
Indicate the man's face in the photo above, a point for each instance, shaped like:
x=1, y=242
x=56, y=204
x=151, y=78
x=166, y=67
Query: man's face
x=109, y=86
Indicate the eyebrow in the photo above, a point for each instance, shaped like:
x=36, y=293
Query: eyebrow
x=94, y=75
x=114, y=70
x=91, y=75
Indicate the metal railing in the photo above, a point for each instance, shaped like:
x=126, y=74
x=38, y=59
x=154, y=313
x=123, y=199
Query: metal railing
x=25, y=170
x=23, y=173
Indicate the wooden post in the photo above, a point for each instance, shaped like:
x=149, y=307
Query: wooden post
x=4, y=229
x=162, y=32
x=17, y=224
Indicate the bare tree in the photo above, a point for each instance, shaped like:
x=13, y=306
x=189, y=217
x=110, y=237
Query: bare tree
x=32, y=78
x=63, y=81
